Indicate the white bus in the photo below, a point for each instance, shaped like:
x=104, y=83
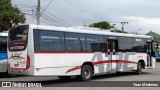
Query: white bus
x=3, y=53
x=64, y=52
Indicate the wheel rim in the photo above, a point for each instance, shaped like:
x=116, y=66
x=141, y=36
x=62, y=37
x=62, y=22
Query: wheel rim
x=87, y=73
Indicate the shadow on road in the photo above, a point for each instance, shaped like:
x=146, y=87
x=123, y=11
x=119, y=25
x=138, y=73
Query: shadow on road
x=121, y=74
x=75, y=83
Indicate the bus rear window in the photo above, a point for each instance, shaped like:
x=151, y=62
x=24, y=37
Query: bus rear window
x=18, y=38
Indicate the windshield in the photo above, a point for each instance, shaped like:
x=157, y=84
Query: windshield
x=18, y=38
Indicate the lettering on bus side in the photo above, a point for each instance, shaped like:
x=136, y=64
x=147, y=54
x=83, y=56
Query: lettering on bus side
x=126, y=57
x=16, y=56
x=98, y=56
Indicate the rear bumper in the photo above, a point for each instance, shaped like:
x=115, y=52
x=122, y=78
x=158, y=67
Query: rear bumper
x=21, y=72
x=18, y=72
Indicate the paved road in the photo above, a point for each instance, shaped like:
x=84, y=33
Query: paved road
x=148, y=75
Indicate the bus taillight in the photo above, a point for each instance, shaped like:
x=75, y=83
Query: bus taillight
x=28, y=62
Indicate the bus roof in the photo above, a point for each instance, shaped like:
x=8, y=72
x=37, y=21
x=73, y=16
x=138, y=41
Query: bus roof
x=3, y=34
x=87, y=31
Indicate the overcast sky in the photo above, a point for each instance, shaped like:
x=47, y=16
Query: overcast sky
x=141, y=14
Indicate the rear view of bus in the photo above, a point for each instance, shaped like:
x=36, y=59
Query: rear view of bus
x=18, y=60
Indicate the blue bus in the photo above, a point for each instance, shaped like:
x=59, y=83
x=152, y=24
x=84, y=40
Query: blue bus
x=3, y=53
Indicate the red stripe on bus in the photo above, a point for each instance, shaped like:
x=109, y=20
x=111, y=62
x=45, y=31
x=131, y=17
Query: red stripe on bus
x=73, y=69
x=16, y=57
x=113, y=61
x=102, y=62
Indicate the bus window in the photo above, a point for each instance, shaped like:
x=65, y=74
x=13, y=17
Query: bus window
x=48, y=41
x=75, y=42
x=96, y=43
x=18, y=38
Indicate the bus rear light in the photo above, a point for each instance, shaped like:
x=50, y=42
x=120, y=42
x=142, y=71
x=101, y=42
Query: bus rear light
x=28, y=62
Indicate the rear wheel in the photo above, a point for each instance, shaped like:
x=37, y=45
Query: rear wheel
x=86, y=73
x=139, y=68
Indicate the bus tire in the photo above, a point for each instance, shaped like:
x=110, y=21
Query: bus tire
x=86, y=73
x=6, y=74
x=64, y=77
x=139, y=68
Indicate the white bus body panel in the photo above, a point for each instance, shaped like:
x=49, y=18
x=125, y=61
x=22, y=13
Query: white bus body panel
x=53, y=64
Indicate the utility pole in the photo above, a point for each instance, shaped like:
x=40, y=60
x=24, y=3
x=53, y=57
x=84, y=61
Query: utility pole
x=38, y=13
x=123, y=25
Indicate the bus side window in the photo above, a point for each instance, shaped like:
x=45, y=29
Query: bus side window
x=125, y=44
x=96, y=43
x=75, y=42
x=48, y=41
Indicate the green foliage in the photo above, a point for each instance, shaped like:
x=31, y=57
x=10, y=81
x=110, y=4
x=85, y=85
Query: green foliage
x=9, y=15
x=155, y=35
x=118, y=31
x=102, y=25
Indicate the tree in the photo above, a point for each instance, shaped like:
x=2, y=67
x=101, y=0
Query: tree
x=102, y=25
x=9, y=15
x=156, y=36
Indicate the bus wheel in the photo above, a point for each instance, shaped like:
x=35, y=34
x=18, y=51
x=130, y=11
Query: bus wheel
x=139, y=68
x=6, y=74
x=64, y=77
x=86, y=73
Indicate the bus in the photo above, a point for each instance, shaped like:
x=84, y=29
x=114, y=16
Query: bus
x=3, y=53
x=40, y=50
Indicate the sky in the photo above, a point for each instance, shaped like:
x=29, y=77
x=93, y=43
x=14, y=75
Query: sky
x=142, y=15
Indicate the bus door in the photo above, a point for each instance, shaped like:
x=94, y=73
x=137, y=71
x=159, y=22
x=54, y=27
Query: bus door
x=149, y=54
x=112, y=52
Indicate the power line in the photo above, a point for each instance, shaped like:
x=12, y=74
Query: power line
x=74, y=4
x=35, y=18
x=90, y=9
x=47, y=6
x=54, y=16
x=44, y=15
x=84, y=9
x=49, y=20
x=45, y=9
x=46, y=18
x=79, y=8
